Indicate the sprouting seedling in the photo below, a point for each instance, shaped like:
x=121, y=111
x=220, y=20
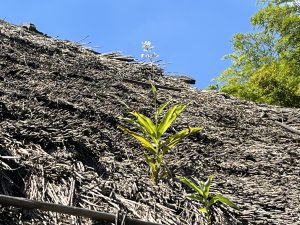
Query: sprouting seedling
x=202, y=194
x=149, y=54
x=151, y=135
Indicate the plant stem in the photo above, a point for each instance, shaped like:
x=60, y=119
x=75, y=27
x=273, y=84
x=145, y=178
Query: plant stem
x=208, y=217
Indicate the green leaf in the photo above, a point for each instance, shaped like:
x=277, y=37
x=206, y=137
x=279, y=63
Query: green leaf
x=174, y=139
x=201, y=185
x=207, y=186
x=134, y=124
x=148, y=158
x=144, y=142
x=223, y=200
x=171, y=115
x=153, y=167
x=150, y=161
x=265, y=64
x=191, y=185
x=145, y=122
x=162, y=107
x=203, y=210
x=154, y=90
x=193, y=130
x=196, y=197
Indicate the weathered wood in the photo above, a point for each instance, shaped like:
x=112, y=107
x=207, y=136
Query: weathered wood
x=75, y=211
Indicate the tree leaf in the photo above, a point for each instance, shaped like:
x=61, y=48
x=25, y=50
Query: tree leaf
x=265, y=64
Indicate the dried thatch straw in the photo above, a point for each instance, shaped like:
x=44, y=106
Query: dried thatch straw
x=59, y=142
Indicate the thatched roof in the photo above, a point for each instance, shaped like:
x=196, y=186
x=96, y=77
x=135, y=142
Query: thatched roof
x=60, y=105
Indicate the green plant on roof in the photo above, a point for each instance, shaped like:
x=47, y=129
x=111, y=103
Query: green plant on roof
x=151, y=135
x=202, y=194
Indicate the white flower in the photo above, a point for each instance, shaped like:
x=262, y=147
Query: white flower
x=147, y=45
x=149, y=53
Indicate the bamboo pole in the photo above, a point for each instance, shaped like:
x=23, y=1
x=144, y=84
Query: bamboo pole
x=75, y=211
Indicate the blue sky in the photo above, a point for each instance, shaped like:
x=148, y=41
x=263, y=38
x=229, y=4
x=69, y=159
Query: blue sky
x=190, y=36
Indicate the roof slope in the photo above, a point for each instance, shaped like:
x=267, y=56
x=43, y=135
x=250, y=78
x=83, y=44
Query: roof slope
x=60, y=105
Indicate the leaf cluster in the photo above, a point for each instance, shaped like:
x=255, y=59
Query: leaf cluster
x=150, y=134
x=203, y=195
x=266, y=64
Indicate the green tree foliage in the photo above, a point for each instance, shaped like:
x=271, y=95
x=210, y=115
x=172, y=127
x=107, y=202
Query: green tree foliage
x=266, y=64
